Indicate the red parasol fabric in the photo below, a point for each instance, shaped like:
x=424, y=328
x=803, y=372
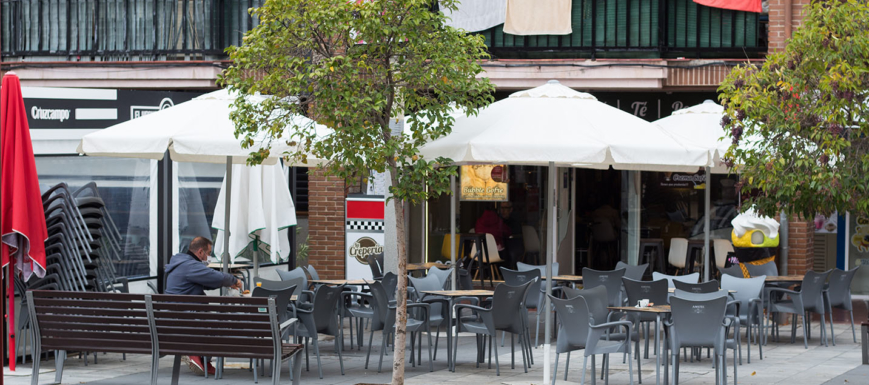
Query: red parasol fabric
x=23, y=217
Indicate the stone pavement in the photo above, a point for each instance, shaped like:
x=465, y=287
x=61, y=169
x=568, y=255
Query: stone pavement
x=783, y=363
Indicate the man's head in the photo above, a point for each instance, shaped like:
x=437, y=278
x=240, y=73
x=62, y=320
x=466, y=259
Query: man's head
x=506, y=208
x=200, y=247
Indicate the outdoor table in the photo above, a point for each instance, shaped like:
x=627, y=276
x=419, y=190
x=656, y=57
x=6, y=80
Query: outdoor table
x=245, y=267
x=658, y=311
x=784, y=278
x=673, y=290
x=453, y=295
x=425, y=266
x=336, y=282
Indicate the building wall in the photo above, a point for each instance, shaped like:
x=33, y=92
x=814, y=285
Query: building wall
x=777, y=22
x=326, y=224
x=801, y=252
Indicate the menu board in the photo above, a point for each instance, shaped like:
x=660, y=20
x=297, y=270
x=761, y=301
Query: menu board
x=484, y=183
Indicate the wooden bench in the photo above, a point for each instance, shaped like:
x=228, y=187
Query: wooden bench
x=159, y=325
x=228, y=327
x=86, y=321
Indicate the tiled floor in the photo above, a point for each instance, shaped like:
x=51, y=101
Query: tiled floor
x=783, y=363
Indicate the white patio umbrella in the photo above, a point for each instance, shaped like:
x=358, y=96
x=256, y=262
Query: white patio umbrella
x=700, y=125
x=199, y=130
x=556, y=126
x=262, y=217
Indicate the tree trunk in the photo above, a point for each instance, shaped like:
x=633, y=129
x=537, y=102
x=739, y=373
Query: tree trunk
x=400, y=290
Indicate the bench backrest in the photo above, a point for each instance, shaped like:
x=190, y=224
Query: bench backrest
x=89, y=321
x=215, y=326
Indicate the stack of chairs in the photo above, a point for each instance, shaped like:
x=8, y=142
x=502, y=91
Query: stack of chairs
x=82, y=248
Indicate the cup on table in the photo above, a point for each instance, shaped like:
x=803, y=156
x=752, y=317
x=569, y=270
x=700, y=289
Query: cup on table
x=643, y=303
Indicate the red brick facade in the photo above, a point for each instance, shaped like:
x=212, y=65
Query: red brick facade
x=326, y=224
x=777, y=24
x=801, y=252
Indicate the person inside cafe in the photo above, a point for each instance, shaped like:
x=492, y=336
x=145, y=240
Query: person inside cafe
x=491, y=223
x=188, y=274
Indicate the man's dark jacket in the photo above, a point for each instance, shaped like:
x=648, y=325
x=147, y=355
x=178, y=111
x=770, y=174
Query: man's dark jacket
x=186, y=274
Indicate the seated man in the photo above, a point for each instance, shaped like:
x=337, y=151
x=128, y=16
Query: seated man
x=188, y=274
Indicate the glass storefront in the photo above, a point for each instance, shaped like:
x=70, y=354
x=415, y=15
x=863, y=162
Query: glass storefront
x=197, y=186
x=125, y=186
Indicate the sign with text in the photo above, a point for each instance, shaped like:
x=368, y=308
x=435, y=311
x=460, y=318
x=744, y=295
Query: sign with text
x=696, y=181
x=364, y=237
x=484, y=183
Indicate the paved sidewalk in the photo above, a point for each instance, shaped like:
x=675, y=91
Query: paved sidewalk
x=783, y=363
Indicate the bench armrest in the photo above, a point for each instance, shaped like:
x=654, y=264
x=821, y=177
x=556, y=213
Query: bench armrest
x=287, y=323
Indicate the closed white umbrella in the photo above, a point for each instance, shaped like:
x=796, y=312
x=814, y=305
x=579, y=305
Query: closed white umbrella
x=262, y=216
x=556, y=126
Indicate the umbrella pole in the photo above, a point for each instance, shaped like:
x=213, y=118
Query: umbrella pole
x=550, y=257
x=708, y=198
x=226, y=205
x=10, y=302
x=256, y=256
x=453, y=231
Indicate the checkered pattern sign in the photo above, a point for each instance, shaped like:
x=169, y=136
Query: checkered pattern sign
x=365, y=225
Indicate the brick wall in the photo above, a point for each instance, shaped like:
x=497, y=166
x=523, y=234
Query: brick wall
x=777, y=20
x=801, y=253
x=326, y=224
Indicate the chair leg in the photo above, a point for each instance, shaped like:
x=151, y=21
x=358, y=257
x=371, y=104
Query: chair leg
x=646, y=336
x=824, y=329
x=852, y=324
x=383, y=349
x=582, y=378
x=437, y=337
x=537, y=327
x=512, y=350
x=317, y=352
x=176, y=370
x=340, y=342
x=606, y=369
x=805, y=331
x=593, y=376
x=430, y=355
x=555, y=369
x=497, y=365
x=370, y=340
x=60, y=358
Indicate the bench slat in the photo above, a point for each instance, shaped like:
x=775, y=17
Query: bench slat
x=86, y=295
x=215, y=350
x=243, y=343
x=170, y=298
x=163, y=330
x=92, y=345
x=90, y=311
x=217, y=324
x=45, y=325
x=261, y=317
x=242, y=309
x=99, y=335
x=39, y=302
x=91, y=319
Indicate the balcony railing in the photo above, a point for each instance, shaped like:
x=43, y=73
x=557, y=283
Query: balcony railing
x=640, y=28
x=122, y=28
x=117, y=29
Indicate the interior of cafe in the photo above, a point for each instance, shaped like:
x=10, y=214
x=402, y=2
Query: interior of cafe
x=610, y=215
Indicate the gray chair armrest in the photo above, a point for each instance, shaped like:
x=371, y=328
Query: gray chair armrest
x=783, y=290
x=288, y=323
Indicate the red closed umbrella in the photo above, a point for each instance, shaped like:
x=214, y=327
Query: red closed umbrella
x=23, y=218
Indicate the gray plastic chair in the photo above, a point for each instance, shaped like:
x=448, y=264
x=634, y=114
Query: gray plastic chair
x=439, y=306
x=322, y=318
x=808, y=299
x=610, y=279
x=702, y=287
x=839, y=296
x=501, y=316
x=390, y=283
x=540, y=288
x=748, y=292
x=375, y=266
x=688, y=278
x=443, y=276
x=282, y=302
x=699, y=323
x=384, y=321
x=518, y=278
x=733, y=271
x=656, y=292
x=633, y=272
x=303, y=295
x=583, y=326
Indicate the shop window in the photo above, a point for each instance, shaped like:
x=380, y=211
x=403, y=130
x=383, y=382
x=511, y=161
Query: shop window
x=125, y=187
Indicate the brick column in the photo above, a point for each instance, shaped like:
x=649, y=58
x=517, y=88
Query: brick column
x=801, y=253
x=326, y=224
x=777, y=20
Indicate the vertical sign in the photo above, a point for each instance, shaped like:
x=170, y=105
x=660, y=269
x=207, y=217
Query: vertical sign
x=363, y=234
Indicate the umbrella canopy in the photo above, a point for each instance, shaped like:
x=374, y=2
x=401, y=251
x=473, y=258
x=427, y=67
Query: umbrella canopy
x=553, y=123
x=23, y=228
x=199, y=130
x=263, y=214
x=700, y=126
